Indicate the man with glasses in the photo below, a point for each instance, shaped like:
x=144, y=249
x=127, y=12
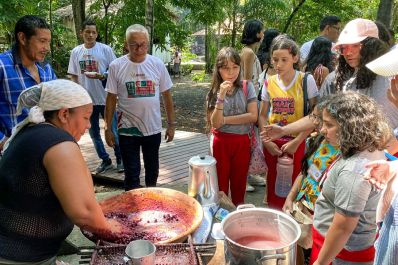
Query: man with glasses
x=135, y=82
x=330, y=28
x=88, y=64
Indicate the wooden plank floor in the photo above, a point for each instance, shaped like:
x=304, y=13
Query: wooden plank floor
x=174, y=157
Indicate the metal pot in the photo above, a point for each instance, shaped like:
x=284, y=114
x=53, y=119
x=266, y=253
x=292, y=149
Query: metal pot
x=203, y=182
x=260, y=236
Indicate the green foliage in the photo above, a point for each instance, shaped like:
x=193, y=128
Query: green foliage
x=198, y=76
x=188, y=56
x=186, y=68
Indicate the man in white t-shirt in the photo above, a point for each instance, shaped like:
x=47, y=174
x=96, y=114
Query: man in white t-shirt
x=135, y=82
x=88, y=64
x=330, y=27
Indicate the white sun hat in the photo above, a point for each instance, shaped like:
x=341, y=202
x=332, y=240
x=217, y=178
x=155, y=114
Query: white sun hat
x=385, y=65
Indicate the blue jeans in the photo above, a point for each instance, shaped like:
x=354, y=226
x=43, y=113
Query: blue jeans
x=130, y=148
x=95, y=135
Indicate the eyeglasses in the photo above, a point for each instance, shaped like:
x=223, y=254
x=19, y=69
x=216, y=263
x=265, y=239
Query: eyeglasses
x=336, y=28
x=137, y=46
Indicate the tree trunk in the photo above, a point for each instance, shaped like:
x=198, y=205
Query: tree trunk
x=50, y=15
x=289, y=20
x=106, y=8
x=207, y=49
x=79, y=15
x=149, y=19
x=233, y=34
x=384, y=13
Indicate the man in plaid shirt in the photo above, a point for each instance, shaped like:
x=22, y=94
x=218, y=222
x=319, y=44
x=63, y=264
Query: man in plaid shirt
x=22, y=67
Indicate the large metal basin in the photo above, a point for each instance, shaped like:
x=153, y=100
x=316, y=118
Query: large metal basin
x=169, y=214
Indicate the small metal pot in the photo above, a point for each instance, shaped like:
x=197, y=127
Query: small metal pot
x=203, y=181
x=263, y=236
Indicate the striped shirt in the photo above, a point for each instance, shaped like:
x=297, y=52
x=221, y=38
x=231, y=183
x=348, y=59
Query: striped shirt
x=14, y=78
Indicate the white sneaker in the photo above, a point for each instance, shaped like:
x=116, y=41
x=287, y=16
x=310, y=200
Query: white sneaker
x=249, y=187
x=256, y=180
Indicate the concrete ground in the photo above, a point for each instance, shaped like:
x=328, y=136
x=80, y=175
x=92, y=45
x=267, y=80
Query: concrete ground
x=76, y=238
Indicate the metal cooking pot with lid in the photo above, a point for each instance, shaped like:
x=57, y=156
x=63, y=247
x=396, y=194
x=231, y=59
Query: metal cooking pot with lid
x=203, y=182
x=260, y=236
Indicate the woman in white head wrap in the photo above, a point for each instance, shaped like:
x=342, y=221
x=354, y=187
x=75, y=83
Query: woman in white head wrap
x=45, y=185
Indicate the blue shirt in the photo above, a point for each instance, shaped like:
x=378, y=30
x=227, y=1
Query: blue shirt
x=14, y=78
x=387, y=243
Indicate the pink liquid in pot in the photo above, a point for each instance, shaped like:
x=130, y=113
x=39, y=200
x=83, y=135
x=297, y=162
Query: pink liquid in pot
x=261, y=242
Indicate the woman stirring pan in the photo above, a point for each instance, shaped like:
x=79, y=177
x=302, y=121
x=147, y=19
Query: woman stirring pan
x=45, y=185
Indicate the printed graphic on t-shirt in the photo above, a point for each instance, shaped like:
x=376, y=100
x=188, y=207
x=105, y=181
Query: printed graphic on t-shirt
x=88, y=64
x=284, y=107
x=139, y=89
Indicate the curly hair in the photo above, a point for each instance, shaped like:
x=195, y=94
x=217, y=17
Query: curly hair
x=372, y=48
x=225, y=54
x=320, y=53
x=362, y=124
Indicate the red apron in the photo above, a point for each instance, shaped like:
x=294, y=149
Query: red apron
x=365, y=255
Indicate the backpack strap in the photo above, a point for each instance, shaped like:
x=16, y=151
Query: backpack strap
x=244, y=87
x=305, y=94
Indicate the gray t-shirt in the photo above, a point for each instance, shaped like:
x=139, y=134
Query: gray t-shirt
x=236, y=105
x=377, y=91
x=345, y=191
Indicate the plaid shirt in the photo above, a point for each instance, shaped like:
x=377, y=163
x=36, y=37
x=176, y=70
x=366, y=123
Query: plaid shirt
x=14, y=78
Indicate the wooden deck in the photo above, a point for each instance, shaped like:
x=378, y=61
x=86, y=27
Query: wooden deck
x=174, y=157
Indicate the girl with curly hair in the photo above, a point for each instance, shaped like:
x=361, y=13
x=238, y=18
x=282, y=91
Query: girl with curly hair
x=230, y=113
x=359, y=44
x=344, y=226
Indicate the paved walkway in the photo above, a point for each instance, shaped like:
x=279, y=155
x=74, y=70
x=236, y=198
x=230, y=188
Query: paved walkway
x=174, y=157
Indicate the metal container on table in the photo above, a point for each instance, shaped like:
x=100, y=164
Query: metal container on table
x=203, y=181
x=260, y=236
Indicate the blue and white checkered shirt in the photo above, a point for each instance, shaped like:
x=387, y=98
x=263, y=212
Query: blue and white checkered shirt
x=14, y=78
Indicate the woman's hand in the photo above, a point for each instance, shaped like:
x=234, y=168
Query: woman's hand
x=290, y=147
x=271, y=132
x=272, y=148
x=380, y=172
x=392, y=93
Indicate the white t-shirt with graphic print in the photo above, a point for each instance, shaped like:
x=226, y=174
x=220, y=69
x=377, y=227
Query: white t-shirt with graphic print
x=138, y=87
x=95, y=59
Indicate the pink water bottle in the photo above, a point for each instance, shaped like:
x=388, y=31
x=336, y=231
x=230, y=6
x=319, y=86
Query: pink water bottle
x=284, y=173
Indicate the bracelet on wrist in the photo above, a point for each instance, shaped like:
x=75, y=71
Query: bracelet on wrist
x=219, y=108
x=173, y=123
x=220, y=101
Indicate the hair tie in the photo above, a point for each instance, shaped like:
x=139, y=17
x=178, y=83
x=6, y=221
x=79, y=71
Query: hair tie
x=36, y=115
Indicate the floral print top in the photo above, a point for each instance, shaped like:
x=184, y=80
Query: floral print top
x=317, y=162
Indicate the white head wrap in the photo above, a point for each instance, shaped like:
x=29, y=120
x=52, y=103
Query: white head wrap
x=46, y=96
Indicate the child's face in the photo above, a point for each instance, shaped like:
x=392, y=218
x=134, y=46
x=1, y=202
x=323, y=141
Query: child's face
x=330, y=128
x=229, y=71
x=283, y=61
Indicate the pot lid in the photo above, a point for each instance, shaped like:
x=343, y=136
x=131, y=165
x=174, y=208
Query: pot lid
x=202, y=160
